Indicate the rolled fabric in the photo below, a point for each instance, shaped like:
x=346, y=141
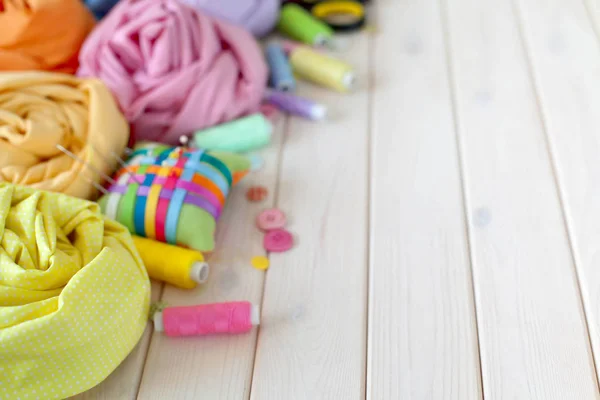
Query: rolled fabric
x=174, y=70
x=74, y=294
x=42, y=34
x=39, y=110
x=258, y=16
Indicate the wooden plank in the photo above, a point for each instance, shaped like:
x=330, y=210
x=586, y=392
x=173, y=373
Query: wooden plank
x=532, y=332
x=593, y=9
x=218, y=367
x=565, y=59
x=124, y=382
x=423, y=334
x=312, y=342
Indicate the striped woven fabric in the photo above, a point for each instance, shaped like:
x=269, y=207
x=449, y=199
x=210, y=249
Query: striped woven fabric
x=173, y=194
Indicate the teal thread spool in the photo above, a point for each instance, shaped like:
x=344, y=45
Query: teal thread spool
x=299, y=24
x=244, y=134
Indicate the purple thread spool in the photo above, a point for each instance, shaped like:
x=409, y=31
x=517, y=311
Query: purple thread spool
x=296, y=105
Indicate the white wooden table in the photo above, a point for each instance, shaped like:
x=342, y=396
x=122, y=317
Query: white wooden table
x=447, y=219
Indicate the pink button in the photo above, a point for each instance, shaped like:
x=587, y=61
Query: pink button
x=278, y=240
x=271, y=219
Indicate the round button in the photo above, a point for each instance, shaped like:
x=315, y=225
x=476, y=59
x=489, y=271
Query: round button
x=260, y=262
x=257, y=193
x=278, y=240
x=271, y=219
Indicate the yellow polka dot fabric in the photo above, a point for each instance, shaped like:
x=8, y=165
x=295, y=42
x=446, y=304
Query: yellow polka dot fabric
x=74, y=294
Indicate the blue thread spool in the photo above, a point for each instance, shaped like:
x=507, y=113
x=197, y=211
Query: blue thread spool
x=281, y=76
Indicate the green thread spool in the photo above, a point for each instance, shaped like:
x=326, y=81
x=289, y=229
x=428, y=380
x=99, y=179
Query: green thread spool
x=244, y=134
x=299, y=24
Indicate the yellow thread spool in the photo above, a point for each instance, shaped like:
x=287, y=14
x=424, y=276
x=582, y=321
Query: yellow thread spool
x=180, y=267
x=322, y=70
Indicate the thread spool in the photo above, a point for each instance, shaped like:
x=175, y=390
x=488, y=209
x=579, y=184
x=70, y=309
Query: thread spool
x=244, y=134
x=207, y=319
x=180, y=267
x=340, y=15
x=322, y=69
x=281, y=76
x=296, y=105
x=299, y=24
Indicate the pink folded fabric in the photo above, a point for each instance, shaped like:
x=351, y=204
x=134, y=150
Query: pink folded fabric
x=174, y=70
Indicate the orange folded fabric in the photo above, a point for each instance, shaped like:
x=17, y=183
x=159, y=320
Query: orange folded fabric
x=42, y=34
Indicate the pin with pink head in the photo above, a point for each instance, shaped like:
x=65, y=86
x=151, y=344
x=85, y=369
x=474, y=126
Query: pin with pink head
x=270, y=112
x=207, y=319
x=289, y=46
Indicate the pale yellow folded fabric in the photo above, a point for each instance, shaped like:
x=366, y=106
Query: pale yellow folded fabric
x=74, y=294
x=39, y=110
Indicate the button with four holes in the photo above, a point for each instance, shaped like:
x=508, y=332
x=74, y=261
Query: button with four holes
x=271, y=219
x=257, y=193
x=278, y=240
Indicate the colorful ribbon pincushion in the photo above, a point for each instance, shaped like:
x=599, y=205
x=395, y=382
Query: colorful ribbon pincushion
x=173, y=194
x=74, y=294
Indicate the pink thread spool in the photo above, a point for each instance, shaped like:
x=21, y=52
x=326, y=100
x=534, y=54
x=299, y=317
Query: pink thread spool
x=207, y=319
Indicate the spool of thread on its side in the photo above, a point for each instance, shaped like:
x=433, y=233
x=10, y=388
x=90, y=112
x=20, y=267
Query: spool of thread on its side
x=207, y=319
x=296, y=105
x=340, y=15
x=244, y=134
x=180, y=267
x=299, y=24
x=322, y=70
x=281, y=76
